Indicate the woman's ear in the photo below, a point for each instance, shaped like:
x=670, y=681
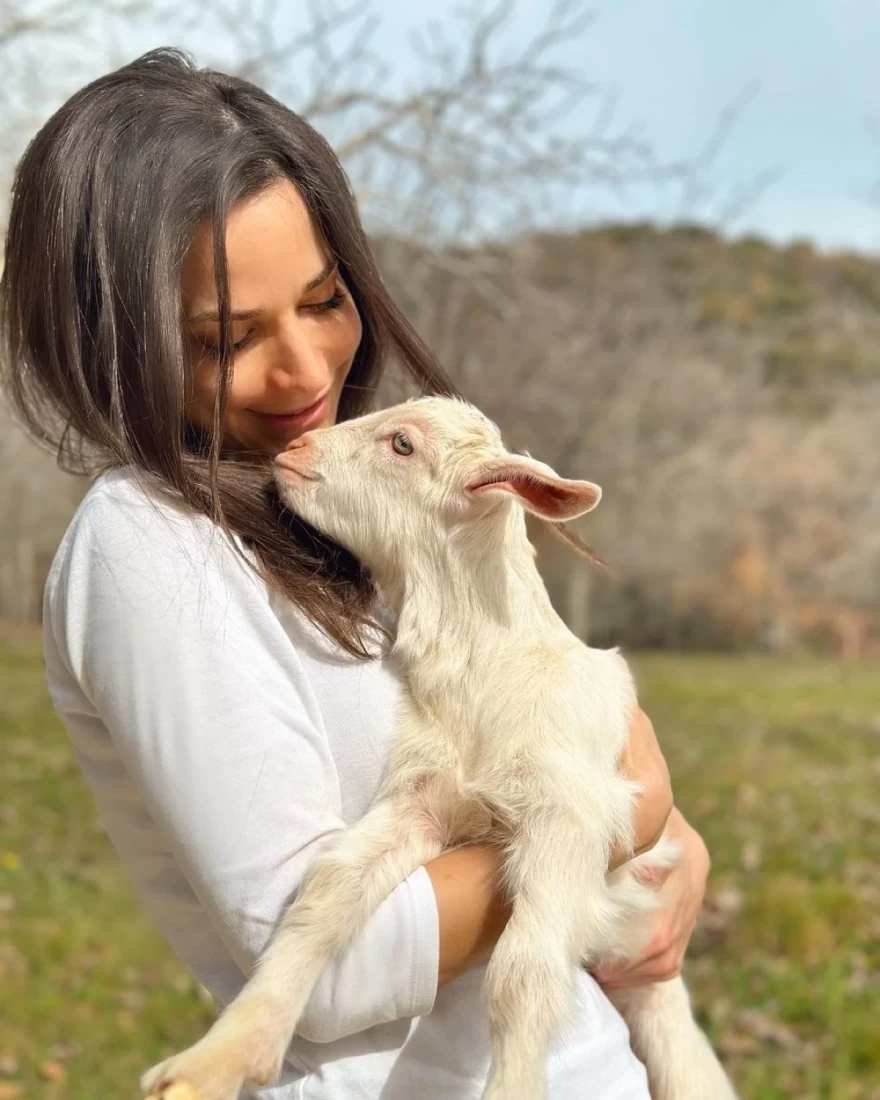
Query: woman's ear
x=537, y=487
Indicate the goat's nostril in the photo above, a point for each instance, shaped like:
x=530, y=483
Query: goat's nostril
x=296, y=444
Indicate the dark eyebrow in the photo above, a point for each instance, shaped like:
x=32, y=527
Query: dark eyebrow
x=249, y=314
x=329, y=269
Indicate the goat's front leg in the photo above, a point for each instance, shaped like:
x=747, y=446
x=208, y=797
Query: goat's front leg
x=341, y=891
x=554, y=872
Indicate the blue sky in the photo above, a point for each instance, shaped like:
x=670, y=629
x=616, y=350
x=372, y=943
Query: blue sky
x=675, y=64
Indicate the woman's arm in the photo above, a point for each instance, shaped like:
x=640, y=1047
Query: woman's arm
x=198, y=731
x=471, y=906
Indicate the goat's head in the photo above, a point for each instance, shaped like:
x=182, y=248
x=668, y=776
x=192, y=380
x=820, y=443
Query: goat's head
x=397, y=478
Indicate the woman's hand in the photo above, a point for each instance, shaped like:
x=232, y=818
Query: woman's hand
x=472, y=907
x=643, y=761
x=681, y=892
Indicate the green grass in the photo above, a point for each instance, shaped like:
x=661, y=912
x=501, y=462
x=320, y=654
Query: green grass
x=91, y=995
x=776, y=762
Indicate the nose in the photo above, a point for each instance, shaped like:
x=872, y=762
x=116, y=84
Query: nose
x=297, y=364
x=303, y=442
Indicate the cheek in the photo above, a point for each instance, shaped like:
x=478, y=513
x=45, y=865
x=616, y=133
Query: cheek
x=351, y=329
x=202, y=393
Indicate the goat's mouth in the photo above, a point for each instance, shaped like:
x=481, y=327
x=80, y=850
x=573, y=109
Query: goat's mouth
x=287, y=465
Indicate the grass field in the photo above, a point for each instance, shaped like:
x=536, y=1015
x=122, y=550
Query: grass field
x=777, y=763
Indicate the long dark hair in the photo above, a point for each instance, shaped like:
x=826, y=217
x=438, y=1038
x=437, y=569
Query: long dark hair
x=105, y=203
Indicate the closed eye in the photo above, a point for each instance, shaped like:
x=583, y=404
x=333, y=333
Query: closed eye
x=333, y=302
x=214, y=351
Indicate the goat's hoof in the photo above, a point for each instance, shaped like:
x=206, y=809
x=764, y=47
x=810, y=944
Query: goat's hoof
x=179, y=1091
x=236, y=1052
x=192, y=1076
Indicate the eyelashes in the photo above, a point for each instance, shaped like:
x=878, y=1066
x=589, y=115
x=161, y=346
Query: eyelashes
x=242, y=343
x=333, y=302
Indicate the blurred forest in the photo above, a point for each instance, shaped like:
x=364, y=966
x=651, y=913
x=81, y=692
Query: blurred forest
x=722, y=390
x=725, y=395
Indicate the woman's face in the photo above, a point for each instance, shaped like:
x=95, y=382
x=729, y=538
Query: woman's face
x=294, y=326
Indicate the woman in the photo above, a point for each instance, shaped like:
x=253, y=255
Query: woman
x=187, y=289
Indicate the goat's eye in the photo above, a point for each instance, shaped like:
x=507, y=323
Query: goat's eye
x=401, y=444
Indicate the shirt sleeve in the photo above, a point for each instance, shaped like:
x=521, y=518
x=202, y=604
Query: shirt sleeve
x=174, y=642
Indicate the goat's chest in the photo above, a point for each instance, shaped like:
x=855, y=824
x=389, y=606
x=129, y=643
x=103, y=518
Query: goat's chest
x=519, y=725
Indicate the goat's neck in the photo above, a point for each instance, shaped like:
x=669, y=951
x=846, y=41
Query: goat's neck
x=482, y=590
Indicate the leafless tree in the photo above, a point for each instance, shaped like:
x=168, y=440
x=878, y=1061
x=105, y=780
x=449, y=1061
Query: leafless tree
x=470, y=145
x=47, y=47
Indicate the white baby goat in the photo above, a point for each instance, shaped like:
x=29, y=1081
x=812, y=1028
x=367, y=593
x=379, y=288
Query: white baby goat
x=510, y=730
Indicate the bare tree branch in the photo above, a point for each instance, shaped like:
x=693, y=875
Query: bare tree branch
x=476, y=137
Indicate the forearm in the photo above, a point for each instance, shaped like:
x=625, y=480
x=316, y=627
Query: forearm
x=470, y=904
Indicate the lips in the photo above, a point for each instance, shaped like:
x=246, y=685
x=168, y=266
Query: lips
x=291, y=424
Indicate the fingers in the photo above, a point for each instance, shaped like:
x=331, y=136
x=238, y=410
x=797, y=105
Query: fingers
x=661, y=961
x=661, y=968
x=650, y=875
x=663, y=955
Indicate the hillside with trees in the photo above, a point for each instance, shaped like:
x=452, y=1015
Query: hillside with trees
x=725, y=394
x=723, y=391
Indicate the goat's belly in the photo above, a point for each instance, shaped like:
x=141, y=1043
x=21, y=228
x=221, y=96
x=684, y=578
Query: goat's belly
x=474, y=820
x=445, y=1056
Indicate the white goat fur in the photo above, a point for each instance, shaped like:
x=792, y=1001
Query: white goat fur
x=510, y=730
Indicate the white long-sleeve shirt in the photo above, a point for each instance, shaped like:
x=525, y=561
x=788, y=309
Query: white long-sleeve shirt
x=224, y=739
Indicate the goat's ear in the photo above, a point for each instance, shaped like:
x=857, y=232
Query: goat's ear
x=537, y=487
